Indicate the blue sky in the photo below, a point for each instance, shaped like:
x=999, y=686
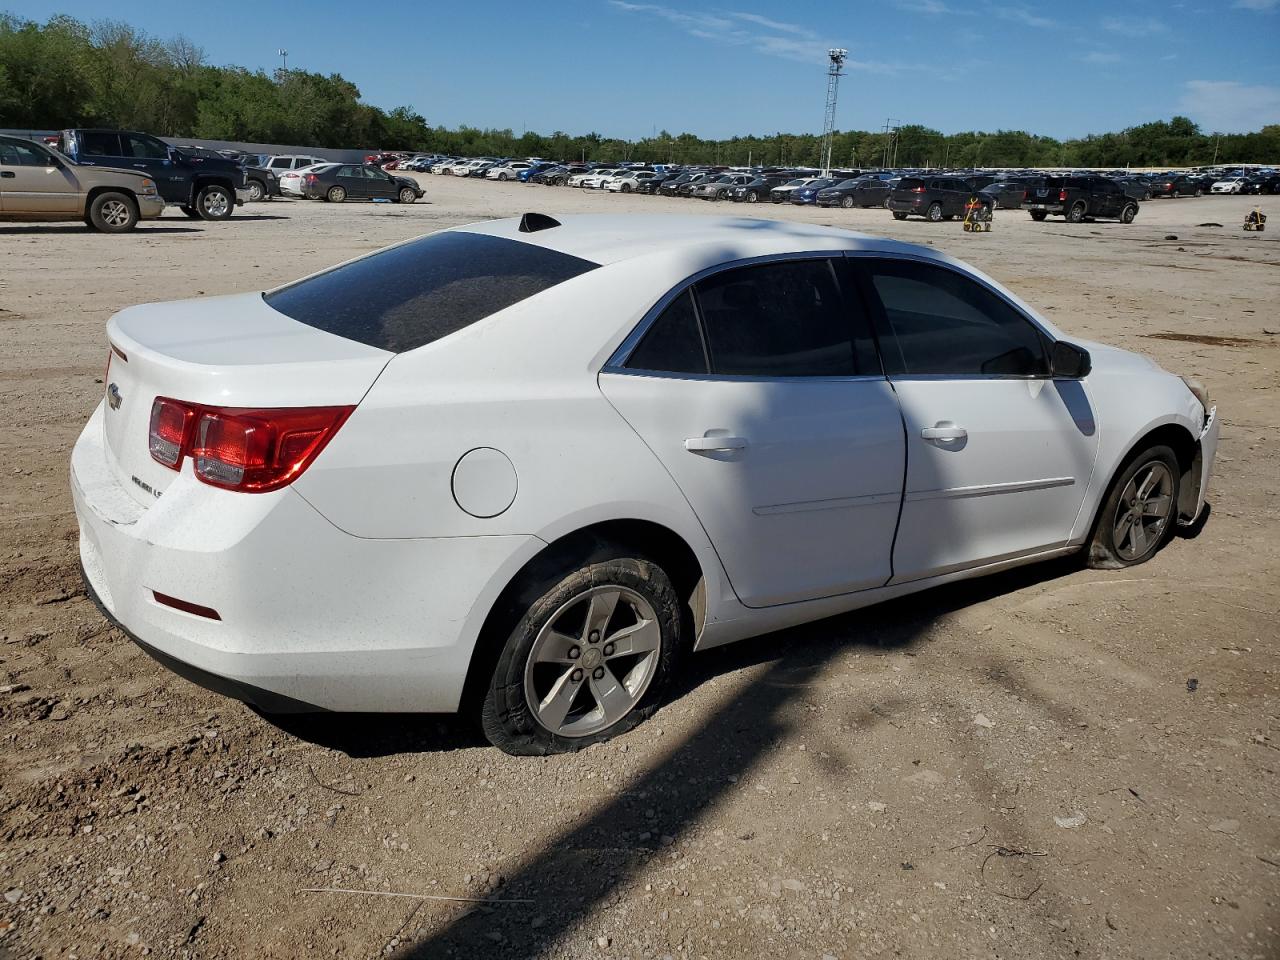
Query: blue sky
x=626, y=68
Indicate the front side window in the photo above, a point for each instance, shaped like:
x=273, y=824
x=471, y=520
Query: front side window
x=418, y=292
x=144, y=148
x=936, y=322
x=281, y=163
x=23, y=155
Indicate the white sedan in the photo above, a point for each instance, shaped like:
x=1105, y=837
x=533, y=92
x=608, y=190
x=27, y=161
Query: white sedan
x=1229, y=185
x=591, y=179
x=507, y=171
x=292, y=182
x=627, y=180
x=520, y=468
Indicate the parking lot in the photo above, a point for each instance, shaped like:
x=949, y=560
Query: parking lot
x=1052, y=762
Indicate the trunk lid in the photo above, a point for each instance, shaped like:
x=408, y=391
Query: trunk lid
x=232, y=351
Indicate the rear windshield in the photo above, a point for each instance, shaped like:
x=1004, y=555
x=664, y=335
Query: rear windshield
x=416, y=293
x=910, y=183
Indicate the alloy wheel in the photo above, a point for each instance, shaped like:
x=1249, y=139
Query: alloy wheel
x=593, y=661
x=214, y=203
x=115, y=213
x=1143, y=512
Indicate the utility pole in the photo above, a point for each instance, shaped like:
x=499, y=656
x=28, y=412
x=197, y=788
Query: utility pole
x=283, y=54
x=890, y=142
x=835, y=67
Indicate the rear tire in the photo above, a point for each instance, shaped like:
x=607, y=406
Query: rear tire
x=1115, y=544
x=113, y=212
x=934, y=212
x=1128, y=213
x=899, y=216
x=846, y=202
x=336, y=195
x=621, y=590
x=256, y=191
x=1076, y=213
x=1038, y=214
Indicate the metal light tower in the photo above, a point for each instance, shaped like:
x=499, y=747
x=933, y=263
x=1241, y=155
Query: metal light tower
x=283, y=54
x=834, y=69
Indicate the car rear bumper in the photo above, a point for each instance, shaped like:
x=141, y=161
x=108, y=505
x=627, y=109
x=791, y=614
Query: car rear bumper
x=904, y=206
x=1054, y=208
x=308, y=617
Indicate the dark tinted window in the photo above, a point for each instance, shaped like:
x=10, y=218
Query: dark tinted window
x=100, y=144
x=673, y=344
x=418, y=292
x=145, y=148
x=910, y=183
x=777, y=320
x=936, y=321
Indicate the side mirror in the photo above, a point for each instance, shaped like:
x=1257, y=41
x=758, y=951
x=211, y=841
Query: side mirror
x=1069, y=361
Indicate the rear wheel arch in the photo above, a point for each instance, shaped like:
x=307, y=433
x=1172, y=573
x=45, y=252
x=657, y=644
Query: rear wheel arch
x=648, y=539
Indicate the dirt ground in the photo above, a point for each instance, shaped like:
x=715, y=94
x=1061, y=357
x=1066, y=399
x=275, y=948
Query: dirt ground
x=1053, y=762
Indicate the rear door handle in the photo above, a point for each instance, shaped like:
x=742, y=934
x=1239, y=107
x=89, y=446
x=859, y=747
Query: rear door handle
x=714, y=444
x=7, y=174
x=944, y=430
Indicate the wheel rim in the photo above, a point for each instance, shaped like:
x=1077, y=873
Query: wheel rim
x=337, y=194
x=255, y=191
x=214, y=203
x=935, y=212
x=593, y=661
x=1143, y=511
x=115, y=213
x=406, y=195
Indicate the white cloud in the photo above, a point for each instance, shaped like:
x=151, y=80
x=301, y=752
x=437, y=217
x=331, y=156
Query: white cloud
x=1101, y=56
x=1229, y=107
x=1023, y=16
x=1257, y=4
x=773, y=38
x=931, y=7
x=1134, y=25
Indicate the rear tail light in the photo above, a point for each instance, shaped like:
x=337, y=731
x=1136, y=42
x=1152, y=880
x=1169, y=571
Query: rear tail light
x=311, y=178
x=1062, y=196
x=917, y=189
x=250, y=450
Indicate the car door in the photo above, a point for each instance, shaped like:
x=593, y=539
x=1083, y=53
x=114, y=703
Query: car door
x=379, y=184
x=759, y=390
x=152, y=157
x=352, y=179
x=999, y=453
x=33, y=181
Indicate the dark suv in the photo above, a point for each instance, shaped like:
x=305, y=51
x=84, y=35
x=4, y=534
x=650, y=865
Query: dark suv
x=934, y=198
x=206, y=186
x=758, y=189
x=855, y=192
x=1080, y=198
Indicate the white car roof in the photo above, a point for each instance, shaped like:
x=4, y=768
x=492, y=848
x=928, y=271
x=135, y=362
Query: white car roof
x=604, y=238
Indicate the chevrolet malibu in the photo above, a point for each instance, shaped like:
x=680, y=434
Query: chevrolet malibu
x=519, y=469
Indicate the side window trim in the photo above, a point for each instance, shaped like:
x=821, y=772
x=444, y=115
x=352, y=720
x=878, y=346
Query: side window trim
x=617, y=362
x=879, y=323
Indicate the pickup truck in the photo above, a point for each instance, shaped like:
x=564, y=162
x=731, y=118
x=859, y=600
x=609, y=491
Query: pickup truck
x=1080, y=198
x=202, y=186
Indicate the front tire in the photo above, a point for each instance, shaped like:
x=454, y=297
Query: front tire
x=1139, y=512
x=407, y=195
x=934, y=213
x=595, y=644
x=113, y=212
x=1128, y=213
x=847, y=203
x=753, y=197
x=256, y=191
x=214, y=202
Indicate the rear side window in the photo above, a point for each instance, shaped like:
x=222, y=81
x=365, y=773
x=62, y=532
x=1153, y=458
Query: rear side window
x=418, y=292
x=781, y=319
x=93, y=144
x=936, y=322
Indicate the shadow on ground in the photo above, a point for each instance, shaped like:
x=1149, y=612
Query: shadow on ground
x=583, y=866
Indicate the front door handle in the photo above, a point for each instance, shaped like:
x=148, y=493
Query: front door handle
x=715, y=444
x=945, y=431
x=7, y=174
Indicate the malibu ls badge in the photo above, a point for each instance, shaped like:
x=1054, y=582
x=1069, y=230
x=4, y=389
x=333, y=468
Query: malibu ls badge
x=114, y=399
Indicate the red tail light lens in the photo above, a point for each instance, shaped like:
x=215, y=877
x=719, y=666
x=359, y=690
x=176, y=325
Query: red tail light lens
x=1062, y=196
x=917, y=189
x=170, y=430
x=253, y=451
x=311, y=178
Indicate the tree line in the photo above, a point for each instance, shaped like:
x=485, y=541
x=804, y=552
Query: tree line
x=65, y=73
